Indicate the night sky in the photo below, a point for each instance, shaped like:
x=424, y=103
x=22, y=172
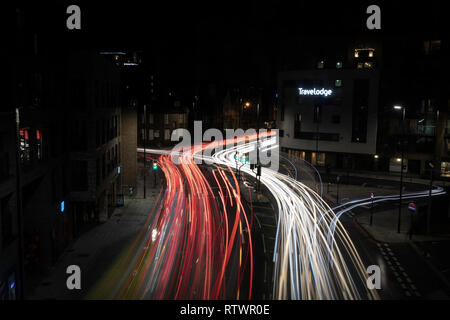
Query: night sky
x=220, y=36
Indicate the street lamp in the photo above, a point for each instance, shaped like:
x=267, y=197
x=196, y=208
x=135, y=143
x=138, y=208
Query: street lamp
x=337, y=189
x=402, y=108
x=429, y=199
x=258, y=171
x=145, y=146
x=245, y=105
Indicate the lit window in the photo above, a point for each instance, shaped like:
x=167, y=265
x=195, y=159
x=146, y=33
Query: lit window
x=320, y=65
x=356, y=53
x=368, y=65
x=360, y=65
x=25, y=149
x=166, y=134
x=338, y=65
x=370, y=54
x=432, y=46
x=338, y=83
x=445, y=169
x=38, y=144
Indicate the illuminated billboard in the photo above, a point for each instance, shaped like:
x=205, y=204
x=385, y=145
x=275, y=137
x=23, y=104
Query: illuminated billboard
x=315, y=92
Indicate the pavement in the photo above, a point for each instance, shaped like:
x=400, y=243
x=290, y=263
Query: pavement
x=264, y=232
x=96, y=250
x=413, y=268
x=381, y=175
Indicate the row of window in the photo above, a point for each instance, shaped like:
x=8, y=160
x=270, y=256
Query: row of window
x=151, y=118
x=359, y=65
x=321, y=64
x=155, y=134
x=30, y=145
x=107, y=163
x=107, y=129
x=366, y=53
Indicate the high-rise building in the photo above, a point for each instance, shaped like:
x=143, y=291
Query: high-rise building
x=327, y=107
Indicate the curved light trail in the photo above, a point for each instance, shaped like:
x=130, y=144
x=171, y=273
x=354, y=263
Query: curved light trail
x=196, y=243
x=307, y=265
x=199, y=243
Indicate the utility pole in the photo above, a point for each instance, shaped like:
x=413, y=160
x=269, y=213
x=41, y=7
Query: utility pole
x=401, y=171
x=258, y=171
x=337, y=189
x=317, y=132
x=429, y=200
x=371, y=209
x=19, y=209
x=145, y=146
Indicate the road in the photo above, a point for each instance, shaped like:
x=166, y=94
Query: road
x=200, y=245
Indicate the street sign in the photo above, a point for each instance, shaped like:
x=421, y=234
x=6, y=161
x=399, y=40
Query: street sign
x=371, y=196
x=412, y=207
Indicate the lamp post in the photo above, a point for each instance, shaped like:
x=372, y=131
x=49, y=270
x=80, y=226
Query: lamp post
x=246, y=105
x=257, y=148
x=145, y=146
x=429, y=199
x=402, y=108
x=19, y=208
x=317, y=112
x=371, y=208
x=337, y=189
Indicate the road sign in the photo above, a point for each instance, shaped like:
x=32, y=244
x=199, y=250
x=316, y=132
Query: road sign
x=371, y=195
x=412, y=207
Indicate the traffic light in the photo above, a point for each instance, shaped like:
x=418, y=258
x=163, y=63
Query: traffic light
x=244, y=158
x=155, y=165
x=236, y=156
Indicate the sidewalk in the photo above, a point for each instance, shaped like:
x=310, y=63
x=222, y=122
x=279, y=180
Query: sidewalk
x=95, y=250
x=407, y=177
x=384, y=227
x=351, y=192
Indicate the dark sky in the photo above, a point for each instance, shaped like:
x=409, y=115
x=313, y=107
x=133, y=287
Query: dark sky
x=147, y=22
x=224, y=34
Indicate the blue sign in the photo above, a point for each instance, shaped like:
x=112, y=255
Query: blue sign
x=62, y=206
x=118, y=170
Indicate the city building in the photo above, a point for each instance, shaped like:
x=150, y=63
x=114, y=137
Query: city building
x=414, y=106
x=36, y=221
x=94, y=136
x=327, y=106
x=161, y=122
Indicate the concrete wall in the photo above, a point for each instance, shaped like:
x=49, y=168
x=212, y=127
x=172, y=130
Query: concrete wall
x=290, y=99
x=128, y=153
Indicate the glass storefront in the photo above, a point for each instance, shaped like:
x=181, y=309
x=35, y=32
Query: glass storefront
x=445, y=169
